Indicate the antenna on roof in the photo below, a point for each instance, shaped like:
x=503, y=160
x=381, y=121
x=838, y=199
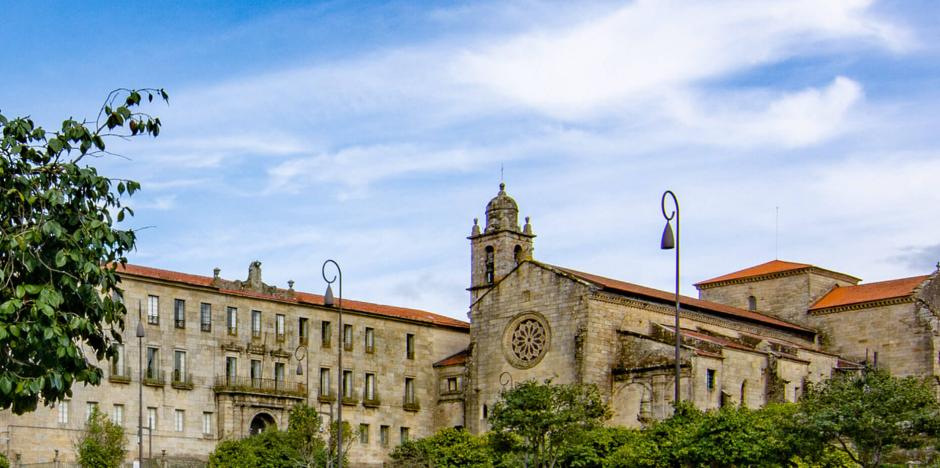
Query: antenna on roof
x=501, y=173
x=777, y=235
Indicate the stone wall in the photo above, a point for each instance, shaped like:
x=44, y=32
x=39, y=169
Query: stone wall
x=34, y=435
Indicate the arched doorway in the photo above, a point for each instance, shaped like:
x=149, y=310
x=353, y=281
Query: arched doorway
x=260, y=422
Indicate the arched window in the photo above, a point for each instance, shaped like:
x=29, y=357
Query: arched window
x=486, y=413
x=744, y=394
x=751, y=303
x=517, y=255
x=490, y=265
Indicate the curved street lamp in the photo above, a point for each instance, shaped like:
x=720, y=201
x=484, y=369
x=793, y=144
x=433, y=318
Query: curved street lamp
x=669, y=242
x=328, y=301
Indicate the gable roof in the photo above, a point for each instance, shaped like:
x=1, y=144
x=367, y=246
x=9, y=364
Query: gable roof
x=871, y=292
x=772, y=268
x=457, y=359
x=623, y=287
x=294, y=297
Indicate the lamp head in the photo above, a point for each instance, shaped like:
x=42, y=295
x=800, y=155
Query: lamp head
x=328, y=297
x=140, y=329
x=300, y=368
x=668, y=241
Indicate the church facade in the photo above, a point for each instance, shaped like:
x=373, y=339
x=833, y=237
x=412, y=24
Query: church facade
x=225, y=358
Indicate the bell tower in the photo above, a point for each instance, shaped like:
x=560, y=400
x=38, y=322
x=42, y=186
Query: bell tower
x=500, y=246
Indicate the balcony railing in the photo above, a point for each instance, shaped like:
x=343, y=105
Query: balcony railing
x=179, y=323
x=154, y=377
x=326, y=396
x=256, y=385
x=350, y=399
x=410, y=404
x=119, y=375
x=232, y=330
x=153, y=319
x=205, y=326
x=256, y=333
x=372, y=402
x=181, y=380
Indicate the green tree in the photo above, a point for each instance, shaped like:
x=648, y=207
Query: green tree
x=102, y=443
x=59, y=249
x=303, y=429
x=869, y=414
x=298, y=446
x=448, y=448
x=546, y=419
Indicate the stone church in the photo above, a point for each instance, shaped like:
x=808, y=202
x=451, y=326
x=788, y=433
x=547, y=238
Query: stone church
x=225, y=358
x=753, y=336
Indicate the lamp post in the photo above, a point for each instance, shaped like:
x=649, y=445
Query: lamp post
x=328, y=301
x=669, y=242
x=140, y=386
x=300, y=353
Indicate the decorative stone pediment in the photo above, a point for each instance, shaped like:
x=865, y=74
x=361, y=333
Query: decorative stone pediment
x=252, y=284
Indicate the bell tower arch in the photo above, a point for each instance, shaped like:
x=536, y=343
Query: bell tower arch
x=500, y=245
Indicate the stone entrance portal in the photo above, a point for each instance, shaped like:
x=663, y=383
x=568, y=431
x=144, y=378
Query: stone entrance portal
x=260, y=422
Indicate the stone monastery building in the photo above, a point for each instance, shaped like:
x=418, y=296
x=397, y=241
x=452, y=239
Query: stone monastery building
x=225, y=358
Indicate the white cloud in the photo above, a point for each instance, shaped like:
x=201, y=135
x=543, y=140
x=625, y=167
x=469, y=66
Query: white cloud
x=647, y=49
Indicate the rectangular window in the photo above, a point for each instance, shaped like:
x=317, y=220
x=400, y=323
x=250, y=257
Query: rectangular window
x=153, y=363
x=409, y=391
x=179, y=313
x=324, y=382
x=117, y=364
x=232, y=320
x=410, y=346
x=279, y=372
x=117, y=417
x=383, y=436
x=302, y=329
x=179, y=417
x=231, y=369
x=404, y=434
x=205, y=317
x=347, y=337
x=153, y=310
x=279, y=327
x=255, y=372
x=179, y=366
x=256, y=324
x=347, y=384
x=326, y=333
x=90, y=408
x=63, y=412
x=207, y=423
x=370, y=387
x=152, y=418
x=370, y=340
x=363, y=433
x=710, y=379
x=452, y=385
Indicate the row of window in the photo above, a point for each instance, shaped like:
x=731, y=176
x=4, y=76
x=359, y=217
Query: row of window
x=280, y=330
x=365, y=434
x=117, y=416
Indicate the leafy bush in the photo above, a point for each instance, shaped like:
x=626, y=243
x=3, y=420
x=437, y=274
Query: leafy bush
x=102, y=443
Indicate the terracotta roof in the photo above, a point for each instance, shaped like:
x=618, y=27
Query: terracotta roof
x=299, y=297
x=773, y=266
x=847, y=295
x=689, y=302
x=458, y=359
x=721, y=341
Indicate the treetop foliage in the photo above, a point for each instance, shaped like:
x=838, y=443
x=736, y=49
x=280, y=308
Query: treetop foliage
x=59, y=249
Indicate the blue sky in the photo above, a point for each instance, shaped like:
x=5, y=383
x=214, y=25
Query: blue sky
x=374, y=132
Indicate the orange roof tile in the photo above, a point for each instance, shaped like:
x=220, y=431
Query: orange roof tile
x=457, y=359
x=714, y=307
x=847, y=295
x=773, y=266
x=299, y=297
